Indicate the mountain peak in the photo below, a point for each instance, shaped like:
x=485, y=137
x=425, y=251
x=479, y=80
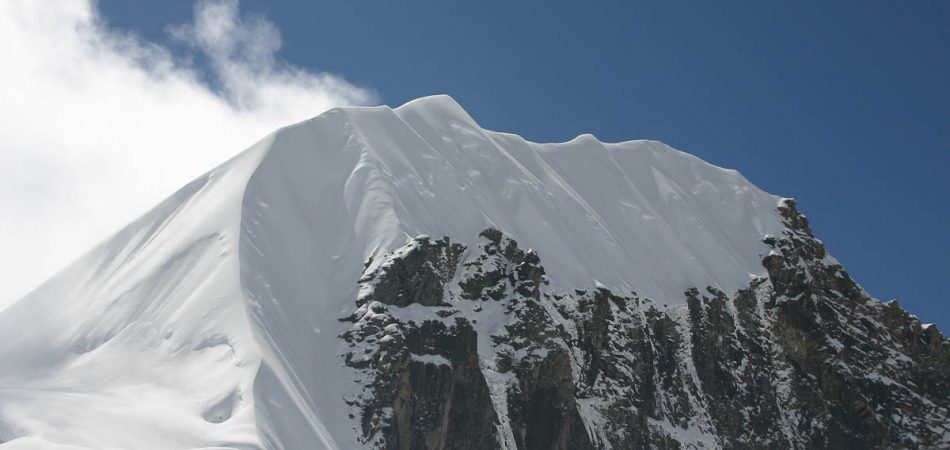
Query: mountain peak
x=257, y=305
x=438, y=102
x=440, y=108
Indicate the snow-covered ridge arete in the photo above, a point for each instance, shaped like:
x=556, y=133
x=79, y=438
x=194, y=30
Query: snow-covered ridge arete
x=637, y=215
x=213, y=319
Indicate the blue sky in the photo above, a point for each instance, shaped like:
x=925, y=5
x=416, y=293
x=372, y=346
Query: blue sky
x=842, y=105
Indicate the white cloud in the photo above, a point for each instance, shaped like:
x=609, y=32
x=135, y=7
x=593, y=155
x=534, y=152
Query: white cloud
x=96, y=125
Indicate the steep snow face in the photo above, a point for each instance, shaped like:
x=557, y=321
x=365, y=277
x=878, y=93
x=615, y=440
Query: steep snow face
x=144, y=342
x=213, y=320
x=637, y=215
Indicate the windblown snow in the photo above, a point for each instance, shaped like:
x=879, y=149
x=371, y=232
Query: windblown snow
x=212, y=321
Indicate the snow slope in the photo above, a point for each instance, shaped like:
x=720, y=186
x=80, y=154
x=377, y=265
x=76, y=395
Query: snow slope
x=212, y=321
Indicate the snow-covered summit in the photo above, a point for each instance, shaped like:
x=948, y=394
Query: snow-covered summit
x=636, y=215
x=211, y=320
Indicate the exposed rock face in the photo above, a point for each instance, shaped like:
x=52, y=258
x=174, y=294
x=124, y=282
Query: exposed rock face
x=424, y=388
x=461, y=347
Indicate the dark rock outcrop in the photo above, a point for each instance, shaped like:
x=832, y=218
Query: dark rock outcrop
x=459, y=347
x=424, y=386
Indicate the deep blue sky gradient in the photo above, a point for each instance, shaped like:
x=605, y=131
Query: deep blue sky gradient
x=842, y=105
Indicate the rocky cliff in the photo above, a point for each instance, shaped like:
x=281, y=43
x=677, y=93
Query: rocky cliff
x=457, y=347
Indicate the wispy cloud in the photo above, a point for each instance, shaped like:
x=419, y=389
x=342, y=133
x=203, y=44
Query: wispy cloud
x=98, y=125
